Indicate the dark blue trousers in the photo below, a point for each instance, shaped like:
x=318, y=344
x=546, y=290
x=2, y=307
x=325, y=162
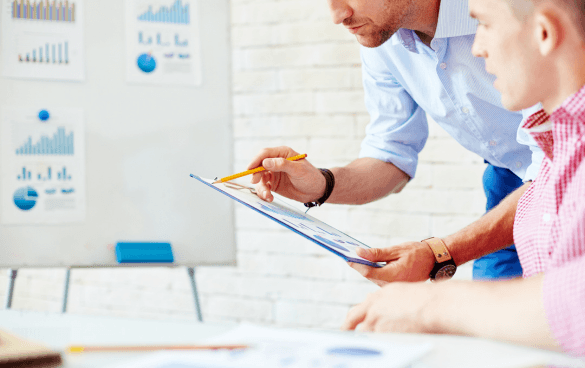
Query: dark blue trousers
x=497, y=184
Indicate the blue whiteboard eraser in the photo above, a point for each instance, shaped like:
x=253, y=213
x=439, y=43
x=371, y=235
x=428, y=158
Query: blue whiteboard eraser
x=146, y=252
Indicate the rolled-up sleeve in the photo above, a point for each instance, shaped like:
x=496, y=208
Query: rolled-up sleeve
x=398, y=128
x=564, y=303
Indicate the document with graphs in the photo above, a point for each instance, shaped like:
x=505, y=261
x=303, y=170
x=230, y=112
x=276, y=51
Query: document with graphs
x=309, y=227
x=43, y=39
x=42, y=166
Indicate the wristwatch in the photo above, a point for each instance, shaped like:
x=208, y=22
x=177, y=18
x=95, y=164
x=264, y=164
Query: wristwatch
x=445, y=267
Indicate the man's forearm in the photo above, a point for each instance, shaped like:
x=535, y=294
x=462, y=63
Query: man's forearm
x=510, y=310
x=365, y=180
x=492, y=232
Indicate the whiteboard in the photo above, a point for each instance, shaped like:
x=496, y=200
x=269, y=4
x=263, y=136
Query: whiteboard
x=141, y=144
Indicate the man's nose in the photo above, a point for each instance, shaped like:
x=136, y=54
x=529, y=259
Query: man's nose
x=339, y=10
x=477, y=49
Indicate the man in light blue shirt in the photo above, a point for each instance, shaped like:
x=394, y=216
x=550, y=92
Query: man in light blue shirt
x=417, y=59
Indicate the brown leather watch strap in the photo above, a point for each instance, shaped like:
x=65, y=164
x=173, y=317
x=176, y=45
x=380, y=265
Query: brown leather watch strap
x=439, y=249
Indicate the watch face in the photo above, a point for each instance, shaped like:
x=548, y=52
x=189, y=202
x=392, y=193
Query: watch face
x=445, y=272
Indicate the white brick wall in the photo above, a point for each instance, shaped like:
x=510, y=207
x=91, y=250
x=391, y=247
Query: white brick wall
x=296, y=81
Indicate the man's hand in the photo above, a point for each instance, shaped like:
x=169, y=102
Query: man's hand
x=298, y=180
x=411, y=261
x=397, y=307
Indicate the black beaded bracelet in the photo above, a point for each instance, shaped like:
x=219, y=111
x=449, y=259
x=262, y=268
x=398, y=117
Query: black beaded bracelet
x=329, y=184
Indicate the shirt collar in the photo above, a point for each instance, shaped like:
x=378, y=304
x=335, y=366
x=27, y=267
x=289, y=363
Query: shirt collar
x=538, y=118
x=573, y=106
x=539, y=126
x=454, y=19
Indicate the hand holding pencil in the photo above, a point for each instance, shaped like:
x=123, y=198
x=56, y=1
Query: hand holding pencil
x=256, y=170
x=298, y=180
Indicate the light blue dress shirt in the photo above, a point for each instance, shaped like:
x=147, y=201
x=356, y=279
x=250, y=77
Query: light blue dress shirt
x=404, y=78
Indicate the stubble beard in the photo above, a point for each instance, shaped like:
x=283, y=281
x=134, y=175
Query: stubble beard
x=391, y=26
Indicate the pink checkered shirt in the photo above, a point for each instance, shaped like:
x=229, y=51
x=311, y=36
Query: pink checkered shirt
x=549, y=229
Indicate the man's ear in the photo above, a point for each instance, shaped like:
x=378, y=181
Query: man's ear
x=548, y=31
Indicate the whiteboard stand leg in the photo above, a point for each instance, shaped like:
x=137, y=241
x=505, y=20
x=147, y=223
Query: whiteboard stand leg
x=191, y=271
x=11, y=280
x=66, y=290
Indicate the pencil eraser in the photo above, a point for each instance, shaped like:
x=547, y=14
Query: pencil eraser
x=145, y=252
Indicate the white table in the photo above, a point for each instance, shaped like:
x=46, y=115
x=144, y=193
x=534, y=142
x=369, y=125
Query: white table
x=61, y=330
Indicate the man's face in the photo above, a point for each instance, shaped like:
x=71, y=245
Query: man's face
x=509, y=50
x=372, y=21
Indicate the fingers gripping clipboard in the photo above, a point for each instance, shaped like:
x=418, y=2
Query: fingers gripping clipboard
x=309, y=227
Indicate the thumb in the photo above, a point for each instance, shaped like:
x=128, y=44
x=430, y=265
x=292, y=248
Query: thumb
x=377, y=254
x=278, y=165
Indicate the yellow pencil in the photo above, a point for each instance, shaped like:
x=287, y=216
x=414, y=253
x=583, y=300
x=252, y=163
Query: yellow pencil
x=253, y=171
x=89, y=349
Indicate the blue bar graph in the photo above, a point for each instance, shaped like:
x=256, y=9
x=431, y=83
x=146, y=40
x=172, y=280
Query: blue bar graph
x=177, y=13
x=60, y=144
x=26, y=175
x=180, y=43
x=59, y=55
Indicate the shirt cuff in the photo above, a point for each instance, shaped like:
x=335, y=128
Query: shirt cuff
x=564, y=303
x=405, y=162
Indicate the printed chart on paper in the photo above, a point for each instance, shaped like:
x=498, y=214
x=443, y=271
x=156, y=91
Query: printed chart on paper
x=42, y=168
x=43, y=39
x=162, y=41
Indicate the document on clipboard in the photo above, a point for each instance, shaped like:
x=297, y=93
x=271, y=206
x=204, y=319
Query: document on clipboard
x=307, y=226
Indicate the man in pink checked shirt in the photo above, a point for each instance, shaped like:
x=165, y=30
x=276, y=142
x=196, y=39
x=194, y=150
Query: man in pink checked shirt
x=536, y=49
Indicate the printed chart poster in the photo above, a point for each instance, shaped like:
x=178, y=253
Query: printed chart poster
x=42, y=172
x=162, y=42
x=43, y=39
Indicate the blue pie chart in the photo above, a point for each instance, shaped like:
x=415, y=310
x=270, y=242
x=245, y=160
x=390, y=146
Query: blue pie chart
x=146, y=63
x=25, y=198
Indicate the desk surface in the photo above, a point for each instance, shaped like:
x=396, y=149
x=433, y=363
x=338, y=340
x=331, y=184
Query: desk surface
x=61, y=330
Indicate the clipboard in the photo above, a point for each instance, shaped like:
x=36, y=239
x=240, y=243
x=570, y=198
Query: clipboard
x=16, y=352
x=305, y=225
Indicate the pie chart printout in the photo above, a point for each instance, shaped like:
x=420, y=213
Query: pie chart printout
x=25, y=198
x=146, y=63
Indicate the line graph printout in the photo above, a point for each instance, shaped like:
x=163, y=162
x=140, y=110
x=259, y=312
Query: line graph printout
x=42, y=167
x=43, y=39
x=309, y=227
x=162, y=42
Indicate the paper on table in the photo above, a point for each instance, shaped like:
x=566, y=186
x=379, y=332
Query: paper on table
x=311, y=228
x=273, y=347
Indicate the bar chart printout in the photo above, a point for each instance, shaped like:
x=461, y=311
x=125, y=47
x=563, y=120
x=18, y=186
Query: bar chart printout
x=43, y=155
x=50, y=54
x=42, y=39
x=62, y=11
x=163, y=42
x=59, y=144
x=177, y=13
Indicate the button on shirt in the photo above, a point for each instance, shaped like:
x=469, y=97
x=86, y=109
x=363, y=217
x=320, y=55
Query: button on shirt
x=404, y=78
x=549, y=228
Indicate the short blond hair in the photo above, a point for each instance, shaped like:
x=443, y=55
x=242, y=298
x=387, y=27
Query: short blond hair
x=575, y=8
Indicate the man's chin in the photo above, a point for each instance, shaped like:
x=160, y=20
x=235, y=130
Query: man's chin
x=369, y=41
x=510, y=104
